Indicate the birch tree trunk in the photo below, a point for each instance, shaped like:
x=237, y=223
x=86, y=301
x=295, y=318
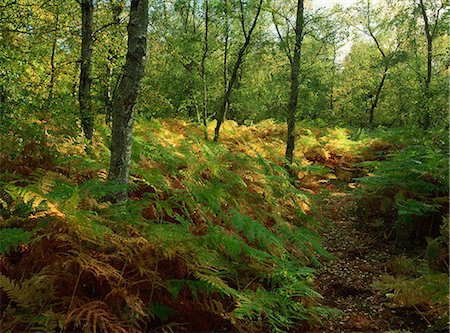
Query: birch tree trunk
x=377, y=96
x=52, y=57
x=295, y=73
x=428, y=34
x=84, y=93
x=237, y=65
x=126, y=95
x=204, y=115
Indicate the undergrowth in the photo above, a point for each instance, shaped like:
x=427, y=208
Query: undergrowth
x=215, y=237
x=406, y=196
x=410, y=188
x=211, y=239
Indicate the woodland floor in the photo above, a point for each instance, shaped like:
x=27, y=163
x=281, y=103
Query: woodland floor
x=361, y=256
x=363, y=250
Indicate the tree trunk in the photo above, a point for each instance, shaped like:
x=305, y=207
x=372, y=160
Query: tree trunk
x=203, y=72
x=225, y=56
x=234, y=74
x=377, y=96
x=386, y=60
x=295, y=73
x=107, y=90
x=126, y=95
x=84, y=94
x=52, y=57
x=191, y=108
x=333, y=77
x=427, y=116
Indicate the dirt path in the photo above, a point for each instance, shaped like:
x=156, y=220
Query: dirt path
x=345, y=282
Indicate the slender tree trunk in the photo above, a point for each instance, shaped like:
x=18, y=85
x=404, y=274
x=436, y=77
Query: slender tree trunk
x=386, y=60
x=333, y=77
x=427, y=116
x=295, y=73
x=203, y=72
x=191, y=90
x=125, y=96
x=377, y=96
x=107, y=91
x=52, y=72
x=2, y=98
x=84, y=93
x=75, y=85
x=52, y=57
x=234, y=73
x=225, y=56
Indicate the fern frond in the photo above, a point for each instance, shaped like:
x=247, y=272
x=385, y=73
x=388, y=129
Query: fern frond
x=134, y=302
x=14, y=291
x=254, y=231
x=12, y=238
x=96, y=267
x=48, y=321
x=216, y=282
x=40, y=204
x=30, y=293
x=95, y=317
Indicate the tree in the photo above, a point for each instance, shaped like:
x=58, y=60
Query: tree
x=376, y=23
x=84, y=93
x=294, y=61
x=126, y=95
x=237, y=64
x=203, y=71
x=295, y=71
x=109, y=54
x=430, y=29
x=53, y=54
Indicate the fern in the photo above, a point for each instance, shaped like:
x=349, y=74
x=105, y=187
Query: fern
x=34, y=197
x=11, y=238
x=162, y=311
x=224, y=232
x=31, y=294
x=48, y=321
x=14, y=291
x=95, y=316
x=410, y=184
x=430, y=290
x=254, y=231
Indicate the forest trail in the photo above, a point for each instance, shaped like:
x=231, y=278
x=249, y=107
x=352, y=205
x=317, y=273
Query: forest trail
x=361, y=257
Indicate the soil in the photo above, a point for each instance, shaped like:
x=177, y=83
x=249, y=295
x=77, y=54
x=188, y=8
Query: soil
x=361, y=257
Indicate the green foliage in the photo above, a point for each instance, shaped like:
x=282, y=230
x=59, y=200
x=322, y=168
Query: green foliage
x=409, y=186
x=11, y=239
x=418, y=168
x=428, y=294
x=161, y=311
x=408, y=189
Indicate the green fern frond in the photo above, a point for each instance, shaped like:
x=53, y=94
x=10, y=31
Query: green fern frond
x=38, y=202
x=11, y=238
x=30, y=294
x=254, y=231
x=48, y=321
x=161, y=311
x=216, y=282
x=14, y=291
